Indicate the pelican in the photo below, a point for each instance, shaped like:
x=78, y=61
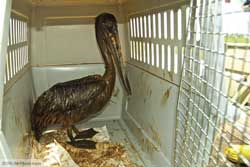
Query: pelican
x=73, y=101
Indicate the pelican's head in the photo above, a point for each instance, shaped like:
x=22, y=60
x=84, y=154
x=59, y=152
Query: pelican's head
x=107, y=31
x=107, y=22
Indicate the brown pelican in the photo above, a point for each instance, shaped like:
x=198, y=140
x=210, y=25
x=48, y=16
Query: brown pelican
x=70, y=102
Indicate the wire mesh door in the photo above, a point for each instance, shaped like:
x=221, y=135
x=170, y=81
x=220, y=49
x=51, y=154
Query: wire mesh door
x=213, y=114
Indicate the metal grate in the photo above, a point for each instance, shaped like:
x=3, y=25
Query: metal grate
x=213, y=113
x=17, y=51
x=157, y=40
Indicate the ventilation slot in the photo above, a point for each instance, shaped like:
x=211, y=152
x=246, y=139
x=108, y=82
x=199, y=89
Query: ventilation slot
x=158, y=40
x=18, y=50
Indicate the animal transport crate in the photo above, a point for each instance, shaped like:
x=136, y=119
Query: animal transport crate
x=187, y=63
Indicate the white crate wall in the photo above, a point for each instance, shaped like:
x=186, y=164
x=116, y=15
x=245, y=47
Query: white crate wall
x=18, y=46
x=157, y=40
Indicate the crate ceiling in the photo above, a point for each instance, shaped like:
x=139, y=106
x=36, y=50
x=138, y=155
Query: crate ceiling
x=75, y=2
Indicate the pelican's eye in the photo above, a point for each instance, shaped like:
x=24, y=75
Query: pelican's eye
x=108, y=24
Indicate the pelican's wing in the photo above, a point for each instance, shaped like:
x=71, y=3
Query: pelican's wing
x=70, y=95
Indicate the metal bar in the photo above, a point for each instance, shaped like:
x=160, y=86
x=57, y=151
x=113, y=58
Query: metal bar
x=202, y=90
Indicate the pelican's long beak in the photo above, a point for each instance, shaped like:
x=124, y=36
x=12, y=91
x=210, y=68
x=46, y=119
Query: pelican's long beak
x=118, y=59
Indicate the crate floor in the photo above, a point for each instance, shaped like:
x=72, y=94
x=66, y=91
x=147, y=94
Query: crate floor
x=109, y=148
x=118, y=134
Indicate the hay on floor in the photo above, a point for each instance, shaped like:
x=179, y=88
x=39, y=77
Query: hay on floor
x=54, y=151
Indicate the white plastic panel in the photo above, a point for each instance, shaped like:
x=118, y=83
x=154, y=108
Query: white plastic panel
x=75, y=2
x=45, y=77
x=5, y=7
x=151, y=115
x=17, y=105
x=157, y=40
x=68, y=44
x=17, y=56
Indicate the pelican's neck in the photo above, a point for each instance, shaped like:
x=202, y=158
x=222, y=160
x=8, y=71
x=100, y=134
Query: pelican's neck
x=109, y=73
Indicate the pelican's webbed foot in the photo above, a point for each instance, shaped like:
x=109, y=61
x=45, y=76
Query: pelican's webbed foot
x=83, y=135
x=87, y=144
